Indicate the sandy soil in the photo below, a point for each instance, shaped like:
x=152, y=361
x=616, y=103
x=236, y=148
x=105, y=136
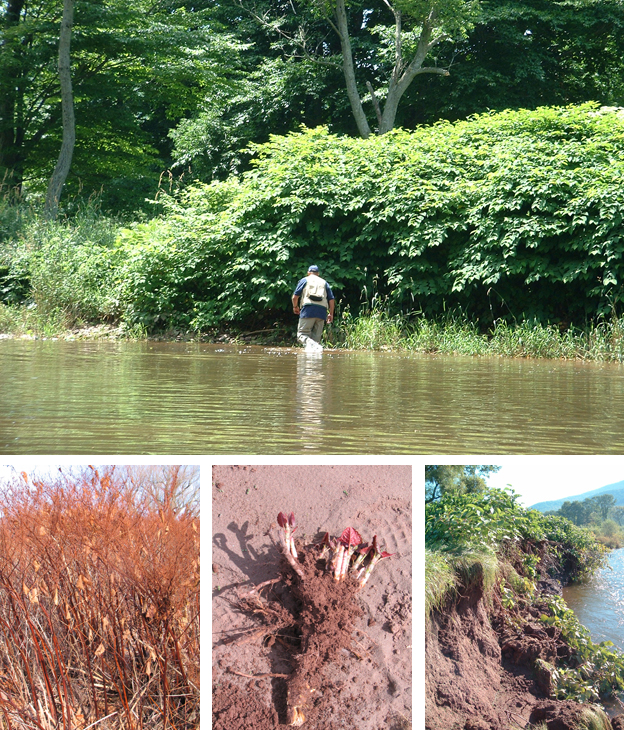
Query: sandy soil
x=368, y=686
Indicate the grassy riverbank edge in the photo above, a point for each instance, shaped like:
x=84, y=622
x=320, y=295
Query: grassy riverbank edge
x=372, y=330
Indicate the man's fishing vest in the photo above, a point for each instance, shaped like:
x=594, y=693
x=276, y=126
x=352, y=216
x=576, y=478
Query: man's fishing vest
x=315, y=292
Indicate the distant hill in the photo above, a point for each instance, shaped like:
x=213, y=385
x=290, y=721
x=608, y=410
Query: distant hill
x=617, y=490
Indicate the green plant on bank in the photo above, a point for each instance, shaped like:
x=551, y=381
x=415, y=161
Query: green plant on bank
x=594, y=718
x=601, y=668
x=445, y=572
x=31, y=322
x=508, y=597
x=509, y=217
x=375, y=328
x=61, y=273
x=479, y=519
x=491, y=522
x=530, y=563
x=519, y=584
x=440, y=582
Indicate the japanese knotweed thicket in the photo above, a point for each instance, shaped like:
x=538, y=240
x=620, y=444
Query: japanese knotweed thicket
x=516, y=214
x=99, y=602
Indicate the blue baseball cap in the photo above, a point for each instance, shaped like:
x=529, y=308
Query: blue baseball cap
x=314, y=269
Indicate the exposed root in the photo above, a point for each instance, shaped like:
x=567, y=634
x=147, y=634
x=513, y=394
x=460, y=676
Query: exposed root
x=318, y=614
x=259, y=587
x=259, y=676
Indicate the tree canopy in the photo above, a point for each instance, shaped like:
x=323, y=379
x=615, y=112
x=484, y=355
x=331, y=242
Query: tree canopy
x=454, y=479
x=597, y=508
x=137, y=68
x=187, y=86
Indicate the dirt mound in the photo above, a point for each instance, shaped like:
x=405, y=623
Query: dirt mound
x=490, y=669
x=233, y=707
x=367, y=684
x=324, y=615
x=308, y=625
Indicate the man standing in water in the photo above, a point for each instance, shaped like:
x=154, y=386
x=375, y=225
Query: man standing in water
x=316, y=299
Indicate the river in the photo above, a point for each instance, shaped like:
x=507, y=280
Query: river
x=191, y=398
x=599, y=602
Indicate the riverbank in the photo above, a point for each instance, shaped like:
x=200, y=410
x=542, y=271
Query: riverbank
x=503, y=650
x=374, y=331
x=488, y=667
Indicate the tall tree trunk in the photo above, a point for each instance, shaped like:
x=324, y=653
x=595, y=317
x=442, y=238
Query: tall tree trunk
x=11, y=128
x=349, y=70
x=57, y=181
x=402, y=78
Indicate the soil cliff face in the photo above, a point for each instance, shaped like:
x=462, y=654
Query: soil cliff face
x=482, y=670
x=463, y=666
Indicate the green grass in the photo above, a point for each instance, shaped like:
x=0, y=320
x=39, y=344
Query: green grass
x=440, y=581
x=453, y=334
x=444, y=572
x=29, y=320
x=593, y=718
x=476, y=566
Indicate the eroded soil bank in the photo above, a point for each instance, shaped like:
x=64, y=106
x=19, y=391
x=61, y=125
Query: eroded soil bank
x=481, y=671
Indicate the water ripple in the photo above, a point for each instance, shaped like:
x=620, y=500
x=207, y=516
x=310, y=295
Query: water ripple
x=159, y=398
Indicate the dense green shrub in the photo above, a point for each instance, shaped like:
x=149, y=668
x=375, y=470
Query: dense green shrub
x=492, y=519
x=513, y=215
x=63, y=270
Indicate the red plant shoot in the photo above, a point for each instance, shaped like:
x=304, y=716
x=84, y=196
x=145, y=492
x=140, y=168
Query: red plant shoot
x=349, y=540
x=288, y=524
x=376, y=556
x=325, y=546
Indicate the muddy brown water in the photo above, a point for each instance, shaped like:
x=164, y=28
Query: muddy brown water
x=180, y=398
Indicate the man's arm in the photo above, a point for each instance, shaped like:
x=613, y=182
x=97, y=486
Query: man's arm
x=295, y=301
x=330, y=315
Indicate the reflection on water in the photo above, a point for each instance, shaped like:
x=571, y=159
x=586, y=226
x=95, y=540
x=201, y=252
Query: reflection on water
x=191, y=398
x=312, y=389
x=599, y=603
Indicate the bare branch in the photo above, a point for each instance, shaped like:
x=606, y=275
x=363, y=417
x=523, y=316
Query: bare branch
x=432, y=70
x=298, y=40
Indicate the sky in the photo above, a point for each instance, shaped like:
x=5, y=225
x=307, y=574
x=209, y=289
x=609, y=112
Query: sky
x=543, y=478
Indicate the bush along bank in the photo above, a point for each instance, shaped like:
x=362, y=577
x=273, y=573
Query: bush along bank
x=513, y=217
x=502, y=648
